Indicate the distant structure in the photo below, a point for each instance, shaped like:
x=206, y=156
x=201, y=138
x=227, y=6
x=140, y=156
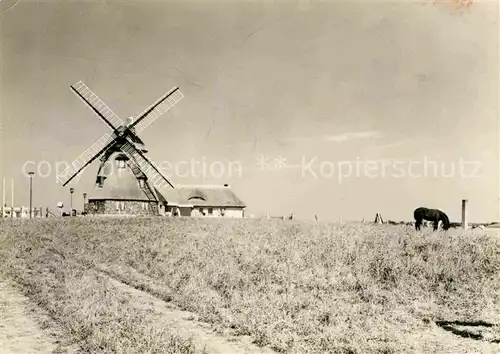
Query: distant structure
x=20, y=212
x=465, y=219
x=217, y=201
x=378, y=219
x=127, y=182
x=204, y=201
x=60, y=207
x=13, y=211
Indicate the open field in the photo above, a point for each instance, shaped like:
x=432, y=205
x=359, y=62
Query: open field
x=289, y=286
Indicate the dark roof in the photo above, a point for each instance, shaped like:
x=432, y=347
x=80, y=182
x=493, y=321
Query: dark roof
x=214, y=196
x=121, y=184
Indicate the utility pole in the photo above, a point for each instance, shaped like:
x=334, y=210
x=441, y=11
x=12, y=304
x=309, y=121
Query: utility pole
x=71, y=190
x=31, y=193
x=3, y=197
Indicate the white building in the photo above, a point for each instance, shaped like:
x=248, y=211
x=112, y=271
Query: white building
x=20, y=212
x=204, y=201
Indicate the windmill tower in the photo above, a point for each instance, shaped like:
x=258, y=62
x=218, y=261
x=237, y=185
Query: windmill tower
x=127, y=182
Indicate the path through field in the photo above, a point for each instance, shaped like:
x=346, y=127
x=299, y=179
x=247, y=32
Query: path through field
x=19, y=332
x=433, y=340
x=22, y=333
x=185, y=324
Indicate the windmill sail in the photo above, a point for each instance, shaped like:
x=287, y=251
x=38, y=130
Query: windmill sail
x=97, y=105
x=161, y=106
x=123, y=140
x=101, y=145
x=146, y=166
x=138, y=174
x=87, y=157
x=145, y=187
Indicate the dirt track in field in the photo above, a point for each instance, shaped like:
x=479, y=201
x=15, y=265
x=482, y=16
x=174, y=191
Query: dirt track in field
x=186, y=325
x=19, y=331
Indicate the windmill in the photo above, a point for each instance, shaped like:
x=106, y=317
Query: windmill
x=139, y=180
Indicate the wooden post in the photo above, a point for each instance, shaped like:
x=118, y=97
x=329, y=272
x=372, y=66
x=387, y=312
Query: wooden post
x=465, y=223
x=3, y=195
x=12, y=192
x=85, y=203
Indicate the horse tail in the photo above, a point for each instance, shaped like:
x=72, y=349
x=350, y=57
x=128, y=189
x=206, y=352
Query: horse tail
x=446, y=221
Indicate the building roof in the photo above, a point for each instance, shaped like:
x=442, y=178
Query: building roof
x=204, y=195
x=120, y=184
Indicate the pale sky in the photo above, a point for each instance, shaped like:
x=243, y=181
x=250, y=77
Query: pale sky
x=319, y=83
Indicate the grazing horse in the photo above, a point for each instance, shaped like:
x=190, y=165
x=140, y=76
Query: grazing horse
x=434, y=215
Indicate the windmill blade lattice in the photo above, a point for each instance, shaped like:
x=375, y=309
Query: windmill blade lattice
x=97, y=105
x=148, y=168
x=138, y=174
x=145, y=187
x=160, y=107
x=86, y=158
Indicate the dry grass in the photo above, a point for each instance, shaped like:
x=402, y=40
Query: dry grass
x=299, y=288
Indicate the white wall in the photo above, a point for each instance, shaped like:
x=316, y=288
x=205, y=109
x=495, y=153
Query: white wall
x=233, y=213
x=217, y=213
